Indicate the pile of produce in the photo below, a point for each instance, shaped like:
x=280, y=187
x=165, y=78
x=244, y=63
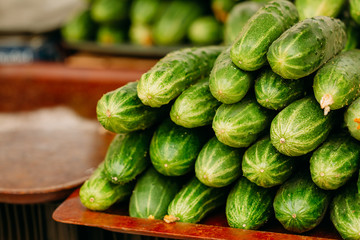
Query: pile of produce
x=268, y=125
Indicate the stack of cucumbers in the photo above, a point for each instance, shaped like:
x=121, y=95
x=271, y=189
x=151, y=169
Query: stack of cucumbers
x=267, y=126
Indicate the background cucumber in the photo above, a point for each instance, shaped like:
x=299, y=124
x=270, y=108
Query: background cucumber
x=79, y=28
x=109, y=11
x=306, y=46
x=352, y=119
x=312, y=8
x=111, y=34
x=352, y=35
x=205, y=30
x=355, y=10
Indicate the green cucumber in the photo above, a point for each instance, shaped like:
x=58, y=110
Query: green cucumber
x=205, y=30
x=217, y=164
x=306, y=46
x=108, y=34
x=345, y=212
x=312, y=8
x=263, y=165
x=228, y=83
x=237, y=18
x=337, y=83
x=194, y=201
x=300, y=127
x=249, y=206
x=355, y=10
x=249, y=49
x=121, y=111
x=140, y=34
x=79, y=28
x=174, y=73
x=352, y=119
x=98, y=193
x=174, y=149
x=195, y=107
x=144, y=11
x=358, y=183
x=274, y=92
x=127, y=156
x=109, y=11
x=299, y=204
x=335, y=162
x=352, y=35
x=152, y=195
x=221, y=8
x=239, y=124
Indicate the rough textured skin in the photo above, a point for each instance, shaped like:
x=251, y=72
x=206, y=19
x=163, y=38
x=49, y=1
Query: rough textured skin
x=337, y=83
x=249, y=206
x=239, y=124
x=127, y=156
x=174, y=149
x=299, y=204
x=274, y=92
x=306, y=46
x=313, y=8
x=355, y=10
x=249, y=49
x=263, y=165
x=217, y=164
x=352, y=119
x=174, y=73
x=345, y=212
x=228, y=83
x=98, y=193
x=335, y=162
x=152, y=195
x=195, y=107
x=195, y=200
x=121, y=111
x=300, y=127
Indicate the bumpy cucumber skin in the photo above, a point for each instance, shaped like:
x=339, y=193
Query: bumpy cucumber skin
x=249, y=206
x=195, y=107
x=127, y=156
x=237, y=18
x=98, y=193
x=174, y=149
x=195, y=200
x=339, y=80
x=310, y=8
x=299, y=204
x=355, y=10
x=274, y=92
x=300, y=127
x=306, y=46
x=152, y=195
x=239, y=125
x=217, y=164
x=263, y=165
x=228, y=83
x=352, y=119
x=249, y=49
x=335, y=162
x=174, y=73
x=121, y=111
x=345, y=212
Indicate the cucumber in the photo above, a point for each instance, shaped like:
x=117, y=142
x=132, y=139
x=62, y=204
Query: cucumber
x=352, y=35
x=221, y=8
x=358, y=183
x=352, y=119
x=274, y=92
x=205, y=30
x=355, y=10
x=98, y=193
x=174, y=149
x=228, y=83
x=337, y=83
x=140, y=34
x=240, y=124
x=109, y=11
x=300, y=127
x=306, y=46
x=144, y=11
x=152, y=195
x=263, y=165
x=345, y=212
x=249, y=49
x=79, y=28
x=127, y=156
x=249, y=206
x=174, y=73
x=299, y=204
x=218, y=165
x=195, y=107
x=312, y=8
x=194, y=201
x=334, y=162
x=237, y=18
x=108, y=34
x=121, y=111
